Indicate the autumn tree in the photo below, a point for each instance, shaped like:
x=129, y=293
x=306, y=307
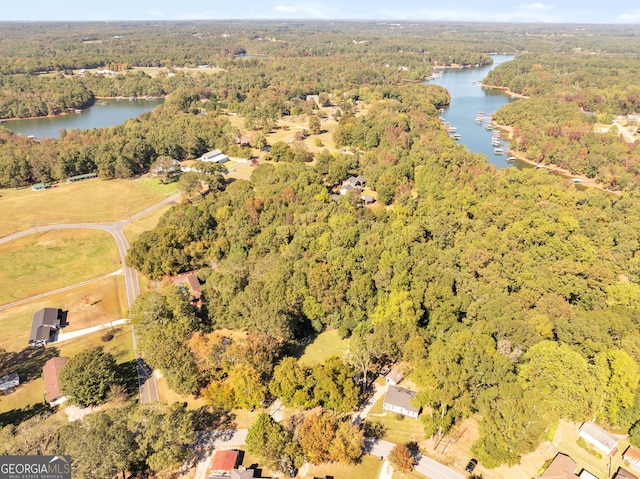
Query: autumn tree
x=402, y=458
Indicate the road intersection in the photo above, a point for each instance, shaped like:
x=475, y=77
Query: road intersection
x=146, y=379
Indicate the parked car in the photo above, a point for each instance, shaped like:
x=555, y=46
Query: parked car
x=471, y=465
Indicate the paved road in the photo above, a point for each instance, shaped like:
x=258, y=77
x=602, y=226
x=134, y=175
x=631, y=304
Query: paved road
x=207, y=441
x=146, y=379
x=426, y=466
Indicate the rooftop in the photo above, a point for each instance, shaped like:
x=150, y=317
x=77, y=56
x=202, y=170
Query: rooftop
x=599, y=434
x=562, y=467
x=51, y=372
x=401, y=397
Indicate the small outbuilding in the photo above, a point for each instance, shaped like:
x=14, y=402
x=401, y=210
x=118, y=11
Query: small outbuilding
x=51, y=374
x=599, y=438
x=44, y=325
x=9, y=382
x=632, y=457
x=394, y=377
x=398, y=400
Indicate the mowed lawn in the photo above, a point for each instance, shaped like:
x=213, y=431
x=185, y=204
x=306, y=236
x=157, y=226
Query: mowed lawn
x=90, y=305
x=46, y=261
x=325, y=345
x=89, y=201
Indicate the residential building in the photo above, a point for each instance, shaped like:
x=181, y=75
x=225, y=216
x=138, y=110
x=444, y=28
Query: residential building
x=223, y=463
x=51, y=374
x=562, y=467
x=44, y=326
x=632, y=457
x=394, y=377
x=398, y=400
x=624, y=474
x=599, y=438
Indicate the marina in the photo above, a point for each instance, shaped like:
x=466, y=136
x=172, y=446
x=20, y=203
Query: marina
x=471, y=110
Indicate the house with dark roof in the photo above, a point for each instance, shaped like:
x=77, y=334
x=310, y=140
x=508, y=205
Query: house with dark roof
x=624, y=474
x=599, y=438
x=398, y=400
x=562, y=467
x=51, y=374
x=351, y=183
x=9, y=382
x=242, y=474
x=632, y=457
x=44, y=326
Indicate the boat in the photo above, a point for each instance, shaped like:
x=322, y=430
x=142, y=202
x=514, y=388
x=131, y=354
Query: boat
x=452, y=129
x=78, y=111
x=511, y=159
x=456, y=136
x=488, y=128
x=498, y=151
x=496, y=143
x=104, y=103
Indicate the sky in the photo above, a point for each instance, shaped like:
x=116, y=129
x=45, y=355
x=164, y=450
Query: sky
x=544, y=11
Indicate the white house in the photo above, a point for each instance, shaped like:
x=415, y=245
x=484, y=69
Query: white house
x=215, y=156
x=394, y=377
x=599, y=438
x=398, y=400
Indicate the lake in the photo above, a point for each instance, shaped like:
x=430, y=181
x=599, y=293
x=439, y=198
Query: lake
x=98, y=116
x=468, y=98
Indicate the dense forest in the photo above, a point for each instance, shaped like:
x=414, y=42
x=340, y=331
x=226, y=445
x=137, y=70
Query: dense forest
x=512, y=296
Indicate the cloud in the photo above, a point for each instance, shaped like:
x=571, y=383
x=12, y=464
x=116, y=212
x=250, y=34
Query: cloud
x=536, y=6
x=631, y=17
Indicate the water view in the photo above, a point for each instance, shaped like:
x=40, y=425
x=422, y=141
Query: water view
x=468, y=98
x=103, y=114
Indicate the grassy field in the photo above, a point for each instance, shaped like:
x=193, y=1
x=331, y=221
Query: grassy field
x=90, y=201
x=327, y=344
x=133, y=230
x=398, y=430
x=47, y=261
x=369, y=467
x=90, y=305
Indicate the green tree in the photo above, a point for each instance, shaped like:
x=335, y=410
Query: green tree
x=562, y=377
x=269, y=441
x=88, y=377
x=102, y=445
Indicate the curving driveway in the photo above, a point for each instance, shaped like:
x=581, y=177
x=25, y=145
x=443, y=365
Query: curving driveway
x=146, y=379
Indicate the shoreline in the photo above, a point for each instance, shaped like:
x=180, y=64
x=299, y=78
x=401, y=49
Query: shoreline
x=73, y=111
x=566, y=174
x=506, y=89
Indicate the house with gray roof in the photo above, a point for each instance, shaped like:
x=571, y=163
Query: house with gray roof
x=398, y=400
x=599, y=438
x=44, y=326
